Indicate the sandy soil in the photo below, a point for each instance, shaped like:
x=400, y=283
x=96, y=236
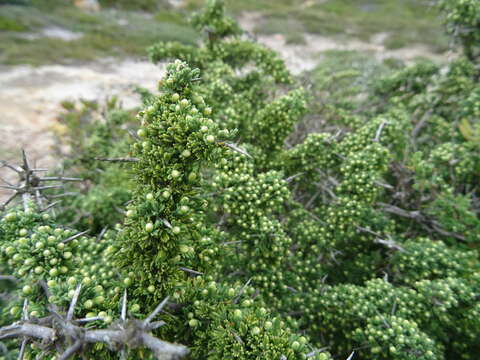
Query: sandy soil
x=304, y=57
x=30, y=100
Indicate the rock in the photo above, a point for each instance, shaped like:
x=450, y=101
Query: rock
x=87, y=5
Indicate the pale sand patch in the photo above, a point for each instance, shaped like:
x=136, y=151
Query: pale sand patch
x=30, y=100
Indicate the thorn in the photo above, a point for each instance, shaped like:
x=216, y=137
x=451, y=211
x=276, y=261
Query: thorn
x=50, y=206
x=71, y=308
x=242, y=290
x=379, y=131
x=155, y=312
x=167, y=223
x=64, y=194
x=126, y=159
x=290, y=178
x=6, y=182
x=237, y=149
x=9, y=200
x=190, y=271
x=5, y=164
x=104, y=230
x=59, y=178
x=47, y=187
x=22, y=349
x=75, y=236
x=10, y=187
x=90, y=319
x=71, y=350
x=25, y=310
x=124, y=306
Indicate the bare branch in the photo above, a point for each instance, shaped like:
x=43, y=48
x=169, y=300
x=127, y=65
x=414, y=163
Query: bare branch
x=29, y=330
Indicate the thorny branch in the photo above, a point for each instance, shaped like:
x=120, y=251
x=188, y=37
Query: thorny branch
x=30, y=184
x=63, y=332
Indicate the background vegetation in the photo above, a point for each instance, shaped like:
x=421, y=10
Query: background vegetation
x=255, y=213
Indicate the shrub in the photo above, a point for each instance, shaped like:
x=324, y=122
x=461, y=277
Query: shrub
x=361, y=237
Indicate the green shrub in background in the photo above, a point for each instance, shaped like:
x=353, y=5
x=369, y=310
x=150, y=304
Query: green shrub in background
x=267, y=240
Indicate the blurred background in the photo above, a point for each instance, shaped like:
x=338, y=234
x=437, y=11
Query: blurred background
x=55, y=54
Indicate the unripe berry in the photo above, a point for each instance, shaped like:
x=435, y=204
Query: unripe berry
x=149, y=227
x=210, y=138
x=53, y=272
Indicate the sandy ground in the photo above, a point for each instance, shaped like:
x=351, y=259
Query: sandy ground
x=30, y=100
x=30, y=97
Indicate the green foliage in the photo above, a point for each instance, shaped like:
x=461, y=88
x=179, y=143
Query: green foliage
x=7, y=24
x=142, y=5
x=361, y=236
x=462, y=18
